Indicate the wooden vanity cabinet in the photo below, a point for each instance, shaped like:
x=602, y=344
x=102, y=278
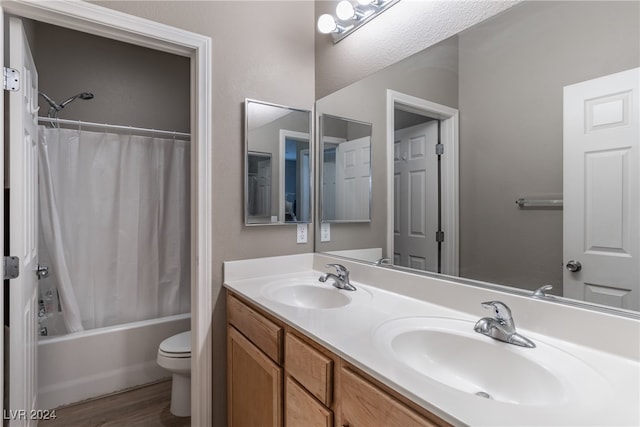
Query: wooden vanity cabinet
x=309, y=383
x=365, y=404
x=255, y=385
x=254, y=372
x=277, y=376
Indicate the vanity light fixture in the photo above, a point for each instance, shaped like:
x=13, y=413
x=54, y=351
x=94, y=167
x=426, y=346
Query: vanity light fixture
x=351, y=17
x=345, y=11
x=327, y=24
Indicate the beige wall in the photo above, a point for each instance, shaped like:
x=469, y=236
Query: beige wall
x=261, y=50
x=133, y=86
x=511, y=82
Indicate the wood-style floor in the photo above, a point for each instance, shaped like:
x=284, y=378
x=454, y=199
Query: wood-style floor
x=142, y=407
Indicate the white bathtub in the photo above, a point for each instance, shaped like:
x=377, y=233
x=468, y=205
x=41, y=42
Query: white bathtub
x=96, y=362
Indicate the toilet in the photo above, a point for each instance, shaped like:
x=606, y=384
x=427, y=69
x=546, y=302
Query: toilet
x=174, y=355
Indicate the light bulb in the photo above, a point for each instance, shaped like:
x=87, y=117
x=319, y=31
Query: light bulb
x=326, y=24
x=345, y=10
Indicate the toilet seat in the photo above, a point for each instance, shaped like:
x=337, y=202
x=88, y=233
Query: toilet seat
x=174, y=353
x=176, y=346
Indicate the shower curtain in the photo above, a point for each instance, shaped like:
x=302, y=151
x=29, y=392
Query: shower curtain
x=115, y=224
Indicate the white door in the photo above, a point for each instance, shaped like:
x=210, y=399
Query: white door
x=415, y=197
x=328, y=204
x=264, y=188
x=23, y=231
x=353, y=179
x=602, y=190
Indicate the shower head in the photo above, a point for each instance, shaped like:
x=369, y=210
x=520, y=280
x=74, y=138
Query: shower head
x=55, y=107
x=82, y=95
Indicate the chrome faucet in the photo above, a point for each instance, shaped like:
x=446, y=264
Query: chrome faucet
x=382, y=261
x=501, y=327
x=340, y=279
x=541, y=292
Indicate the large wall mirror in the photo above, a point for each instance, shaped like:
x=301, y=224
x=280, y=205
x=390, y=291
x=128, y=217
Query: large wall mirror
x=509, y=154
x=345, y=170
x=278, y=164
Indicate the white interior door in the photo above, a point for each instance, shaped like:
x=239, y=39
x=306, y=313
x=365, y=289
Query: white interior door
x=264, y=187
x=415, y=197
x=353, y=179
x=602, y=190
x=23, y=231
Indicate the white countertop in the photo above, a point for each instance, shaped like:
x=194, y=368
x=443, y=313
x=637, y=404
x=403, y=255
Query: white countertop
x=349, y=332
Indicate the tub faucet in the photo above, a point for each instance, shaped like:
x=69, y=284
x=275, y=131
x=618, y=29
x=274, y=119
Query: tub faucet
x=501, y=327
x=340, y=279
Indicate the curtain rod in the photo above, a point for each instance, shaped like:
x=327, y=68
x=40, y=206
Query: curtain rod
x=80, y=124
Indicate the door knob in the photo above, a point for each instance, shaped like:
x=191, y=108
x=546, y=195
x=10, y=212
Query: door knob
x=574, y=266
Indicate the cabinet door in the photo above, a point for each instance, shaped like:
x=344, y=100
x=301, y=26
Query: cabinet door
x=302, y=410
x=363, y=404
x=254, y=385
x=312, y=369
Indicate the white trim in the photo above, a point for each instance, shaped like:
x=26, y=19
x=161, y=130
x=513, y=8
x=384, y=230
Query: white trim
x=2, y=177
x=449, y=118
x=104, y=22
x=284, y=133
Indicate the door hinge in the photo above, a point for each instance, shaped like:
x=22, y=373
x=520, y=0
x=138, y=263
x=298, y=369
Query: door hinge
x=11, y=267
x=439, y=149
x=439, y=236
x=11, y=79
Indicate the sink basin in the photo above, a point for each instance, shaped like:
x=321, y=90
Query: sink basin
x=311, y=294
x=450, y=352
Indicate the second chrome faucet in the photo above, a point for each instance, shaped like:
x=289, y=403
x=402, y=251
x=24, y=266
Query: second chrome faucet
x=501, y=327
x=340, y=279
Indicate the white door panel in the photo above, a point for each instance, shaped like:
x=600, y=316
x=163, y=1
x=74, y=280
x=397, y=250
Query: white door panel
x=23, y=219
x=602, y=189
x=415, y=196
x=353, y=175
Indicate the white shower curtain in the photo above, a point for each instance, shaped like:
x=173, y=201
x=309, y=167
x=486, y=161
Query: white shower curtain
x=115, y=222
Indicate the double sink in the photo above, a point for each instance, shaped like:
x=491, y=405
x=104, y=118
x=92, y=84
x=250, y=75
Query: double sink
x=449, y=352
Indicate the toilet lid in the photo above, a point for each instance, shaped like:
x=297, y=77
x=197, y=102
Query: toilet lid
x=180, y=343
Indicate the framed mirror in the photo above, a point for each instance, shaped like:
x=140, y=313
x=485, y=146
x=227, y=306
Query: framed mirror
x=278, y=164
x=345, y=170
x=519, y=94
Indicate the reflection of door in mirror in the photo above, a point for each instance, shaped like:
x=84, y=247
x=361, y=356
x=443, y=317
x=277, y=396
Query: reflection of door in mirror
x=345, y=170
x=295, y=172
x=423, y=172
x=353, y=177
x=330, y=145
x=601, y=187
x=416, y=190
x=259, y=186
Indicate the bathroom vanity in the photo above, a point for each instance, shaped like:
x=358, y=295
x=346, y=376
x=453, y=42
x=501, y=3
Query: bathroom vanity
x=293, y=379
x=401, y=350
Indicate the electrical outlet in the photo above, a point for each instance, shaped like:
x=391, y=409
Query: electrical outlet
x=325, y=232
x=302, y=233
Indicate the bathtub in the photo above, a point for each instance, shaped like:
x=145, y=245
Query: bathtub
x=92, y=363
